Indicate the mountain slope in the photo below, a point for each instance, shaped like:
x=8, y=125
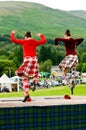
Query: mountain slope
x=23, y=16
x=79, y=13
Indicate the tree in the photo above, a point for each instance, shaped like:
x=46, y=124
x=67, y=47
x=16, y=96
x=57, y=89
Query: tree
x=51, y=52
x=83, y=57
x=81, y=67
x=46, y=66
x=84, y=67
x=8, y=67
x=43, y=53
x=18, y=55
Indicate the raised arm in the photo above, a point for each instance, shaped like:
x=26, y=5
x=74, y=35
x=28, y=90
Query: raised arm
x=15, y=40
x=42, y=40
x=78, y=41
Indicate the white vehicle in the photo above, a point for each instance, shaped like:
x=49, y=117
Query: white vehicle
x=83, y=80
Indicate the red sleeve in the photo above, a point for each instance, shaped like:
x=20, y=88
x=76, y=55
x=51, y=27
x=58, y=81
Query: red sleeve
x=42, y=41
x=13, y=39
x=78, y=41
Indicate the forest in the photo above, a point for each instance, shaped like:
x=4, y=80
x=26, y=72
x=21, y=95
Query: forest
x=48, y=55
x=38, y=18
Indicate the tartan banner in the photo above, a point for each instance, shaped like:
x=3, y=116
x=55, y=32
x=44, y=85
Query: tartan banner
x=61, y=117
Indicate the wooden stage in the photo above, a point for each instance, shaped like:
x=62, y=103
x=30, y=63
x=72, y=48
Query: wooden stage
x=42, y=101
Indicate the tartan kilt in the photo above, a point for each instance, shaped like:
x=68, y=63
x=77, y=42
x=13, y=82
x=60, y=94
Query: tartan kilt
x=29, y=67
x=69, y=62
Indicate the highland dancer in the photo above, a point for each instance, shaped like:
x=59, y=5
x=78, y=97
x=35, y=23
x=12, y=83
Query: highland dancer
x=71, y=59
x=30, y=64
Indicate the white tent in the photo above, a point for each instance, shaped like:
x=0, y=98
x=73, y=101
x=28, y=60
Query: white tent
x=6, y=81
x=18, y=80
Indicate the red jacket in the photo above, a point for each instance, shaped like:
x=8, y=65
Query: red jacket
x=70, y=44
x=29, y=45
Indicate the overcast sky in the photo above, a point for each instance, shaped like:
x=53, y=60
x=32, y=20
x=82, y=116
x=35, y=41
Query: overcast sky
x=60, y=4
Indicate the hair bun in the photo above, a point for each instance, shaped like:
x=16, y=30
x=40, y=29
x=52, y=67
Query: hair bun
x=68, y=32
x=28, y=34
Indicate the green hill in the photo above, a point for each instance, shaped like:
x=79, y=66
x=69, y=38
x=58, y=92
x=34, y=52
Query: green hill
x=37, y=18
x=79, y=13
x=23, y=16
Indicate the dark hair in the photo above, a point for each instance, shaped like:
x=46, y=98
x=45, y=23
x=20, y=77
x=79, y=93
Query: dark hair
x=68, y=32
x=28, y=34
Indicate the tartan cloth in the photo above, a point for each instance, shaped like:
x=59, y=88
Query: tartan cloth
x=29, y=67
x=61, y=117
x=69, y=62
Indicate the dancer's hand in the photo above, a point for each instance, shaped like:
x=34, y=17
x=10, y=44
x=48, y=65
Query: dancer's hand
x=38, y=34
x=14, y=31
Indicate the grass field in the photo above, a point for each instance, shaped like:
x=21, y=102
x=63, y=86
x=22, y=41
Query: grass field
x=79, y=90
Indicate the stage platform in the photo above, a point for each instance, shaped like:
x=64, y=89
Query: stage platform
x=42, y=101
x=43, y=113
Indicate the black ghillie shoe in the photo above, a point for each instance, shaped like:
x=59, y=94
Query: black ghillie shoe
x=72, y=86
x=33, y=86
x=27, y=99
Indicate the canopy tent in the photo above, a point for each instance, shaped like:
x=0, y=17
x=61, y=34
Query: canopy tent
x=16, y=78
x=7, y=82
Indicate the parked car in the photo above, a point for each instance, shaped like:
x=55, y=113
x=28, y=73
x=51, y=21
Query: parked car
x=55, y=83
x=83, y=80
